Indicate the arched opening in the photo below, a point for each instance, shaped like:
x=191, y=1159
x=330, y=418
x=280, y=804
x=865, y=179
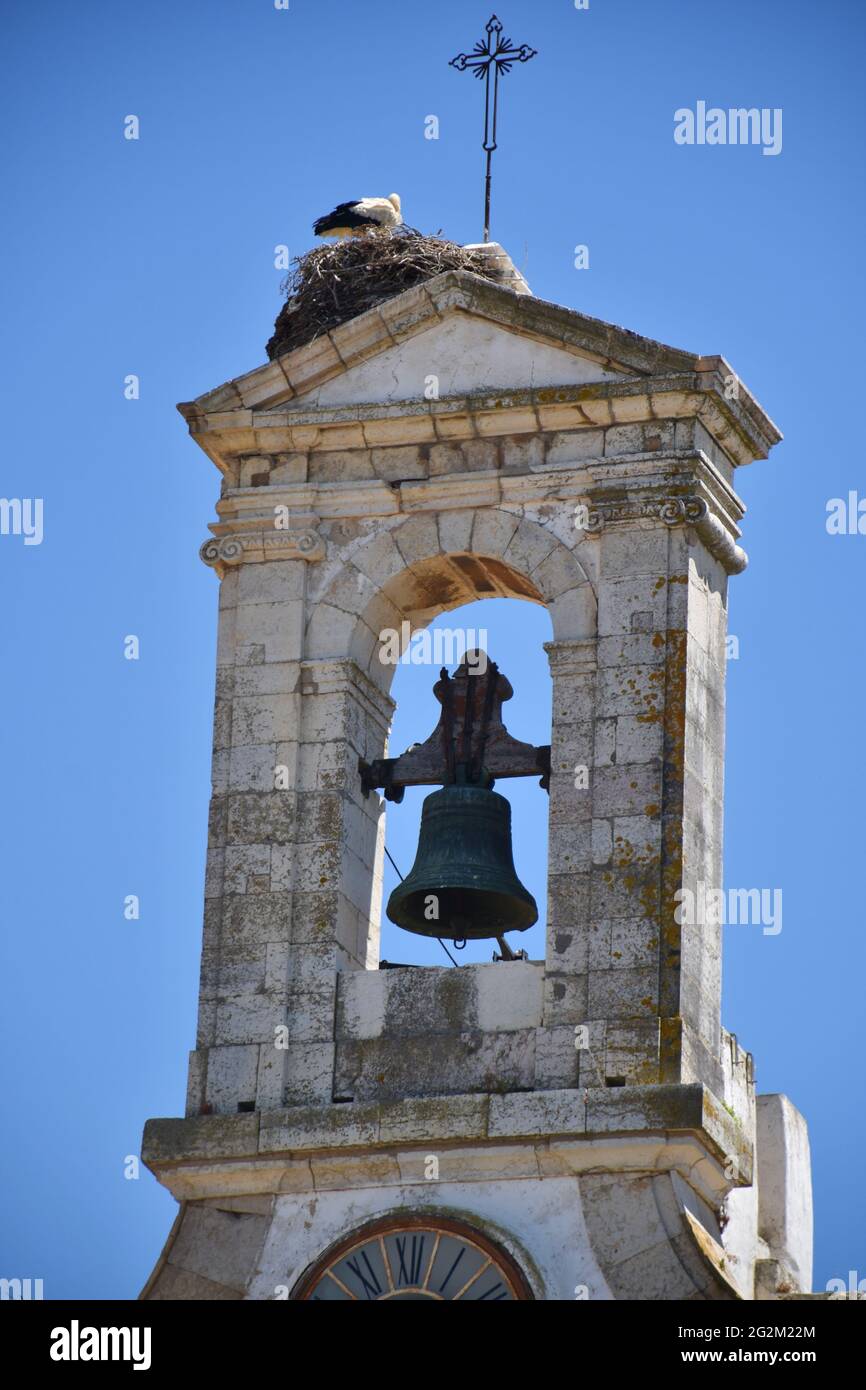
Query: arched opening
x=399, y=577
x=512, y=633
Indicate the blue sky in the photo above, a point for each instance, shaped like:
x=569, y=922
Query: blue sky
x=156, y=257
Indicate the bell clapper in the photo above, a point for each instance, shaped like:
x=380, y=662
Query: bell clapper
x=505, y=952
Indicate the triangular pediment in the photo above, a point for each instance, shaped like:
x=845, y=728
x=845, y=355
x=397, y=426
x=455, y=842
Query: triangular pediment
x=470, y=333
x=456, y=356
x=460, y=343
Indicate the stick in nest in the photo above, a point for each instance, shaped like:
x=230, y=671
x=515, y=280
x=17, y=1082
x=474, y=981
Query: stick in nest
x=334, y=283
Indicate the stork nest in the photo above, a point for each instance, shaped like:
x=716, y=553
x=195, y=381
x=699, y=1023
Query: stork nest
x=337, y=281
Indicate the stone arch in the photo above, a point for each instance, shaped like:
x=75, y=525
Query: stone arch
x=412, y=568
x=379, y=573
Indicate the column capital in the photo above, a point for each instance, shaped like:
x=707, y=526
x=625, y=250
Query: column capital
x=572, y=658
x=608, y=507
x=223, y=551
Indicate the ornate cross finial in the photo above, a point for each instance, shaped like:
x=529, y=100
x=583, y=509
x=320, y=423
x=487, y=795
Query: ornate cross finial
x=494, y=54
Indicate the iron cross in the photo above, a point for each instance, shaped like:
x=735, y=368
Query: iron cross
x=494, y=54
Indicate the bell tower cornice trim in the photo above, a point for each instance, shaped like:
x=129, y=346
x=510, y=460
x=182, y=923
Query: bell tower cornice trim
x=207, y=1154
x=739, y=426
x=681, y=489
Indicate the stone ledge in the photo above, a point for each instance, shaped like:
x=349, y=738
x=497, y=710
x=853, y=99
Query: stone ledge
x=534, y=1115
x=743, y=436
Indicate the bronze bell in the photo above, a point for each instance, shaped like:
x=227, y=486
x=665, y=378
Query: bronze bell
x=463, y=885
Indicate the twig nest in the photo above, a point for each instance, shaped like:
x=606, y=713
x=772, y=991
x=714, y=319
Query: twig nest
x=335, y=282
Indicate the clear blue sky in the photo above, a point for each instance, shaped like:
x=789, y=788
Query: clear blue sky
x=156, y=258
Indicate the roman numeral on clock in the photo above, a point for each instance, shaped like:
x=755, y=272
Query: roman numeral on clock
x=412, y=1275
x=372, y=1287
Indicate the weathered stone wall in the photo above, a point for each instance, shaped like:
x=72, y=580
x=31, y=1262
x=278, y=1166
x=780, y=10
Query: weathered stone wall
x=438, y=1031
x=637, y=604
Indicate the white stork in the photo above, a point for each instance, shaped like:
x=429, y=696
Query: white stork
x=354, y=218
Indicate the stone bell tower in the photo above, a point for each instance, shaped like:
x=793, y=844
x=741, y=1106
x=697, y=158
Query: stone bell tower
x=580, y=1126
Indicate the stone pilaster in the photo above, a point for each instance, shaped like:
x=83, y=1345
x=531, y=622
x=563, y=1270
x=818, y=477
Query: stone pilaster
x=569, y=928
x=294, y=852
x=654, y=980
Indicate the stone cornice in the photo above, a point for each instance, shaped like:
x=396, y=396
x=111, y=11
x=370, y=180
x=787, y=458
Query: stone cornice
x=628, y=1131
x=739, y=426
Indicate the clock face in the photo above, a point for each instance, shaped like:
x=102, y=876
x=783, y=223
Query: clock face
x=415, y=1258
